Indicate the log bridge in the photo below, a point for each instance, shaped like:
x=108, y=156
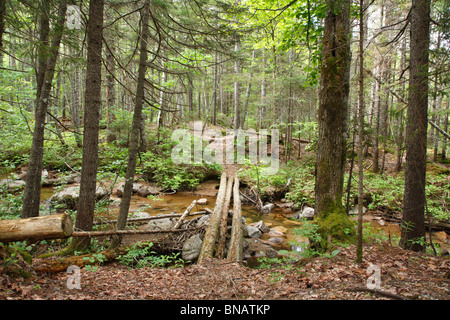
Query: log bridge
x=215, y=237
x=60, y=226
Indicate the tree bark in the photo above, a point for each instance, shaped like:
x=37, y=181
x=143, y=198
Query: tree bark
x=134, y=143
x=210, y=238
x=235, y=252
x=31, y=198
x=332, y=118
x=237, y=100
x=413, y=222
x=223, y=225
x=86, y=204
x=333, y=108
x=110, y=91
x=2, y=28
x=359, y=250
x=58, y=226
x=444, y=140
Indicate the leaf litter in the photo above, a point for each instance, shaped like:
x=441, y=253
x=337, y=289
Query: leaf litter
x=403, y=274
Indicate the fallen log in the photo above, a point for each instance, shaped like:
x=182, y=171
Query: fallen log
x=58, y=226
x=184, y=215
x=126, y=232
x=162, y=216
x=210, y=238
x=439, y=226
x=236, y=243
x=223, y=225
x=61, y=264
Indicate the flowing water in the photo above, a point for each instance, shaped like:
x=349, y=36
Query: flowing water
x=178, y=202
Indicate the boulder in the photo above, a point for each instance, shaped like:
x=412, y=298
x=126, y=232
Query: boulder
x=119, y=191
x=253, y=232
x=307, y=213
x=261, y=248
x=354, y=211
x=280, y=229
x=286, y=204
x=146, y=191
x=276, y=240
x=136, y=187
x=160, y=224
x=101, y=193
x=275, y=233
x=202, y=201
x=261, y=226
x=12, y=185
x=139, y=189
x=267, y=208
x=203, y=221
x=69, y=196
x=191, y=248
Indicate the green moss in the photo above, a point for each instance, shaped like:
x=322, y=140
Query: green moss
x=25, y=255
x=338, y=225
x=334, y=222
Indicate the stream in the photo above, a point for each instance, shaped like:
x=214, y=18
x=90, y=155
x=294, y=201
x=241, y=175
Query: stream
x=278, y=218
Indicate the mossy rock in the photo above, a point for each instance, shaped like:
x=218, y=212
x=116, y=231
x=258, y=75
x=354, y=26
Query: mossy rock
x=337, y=225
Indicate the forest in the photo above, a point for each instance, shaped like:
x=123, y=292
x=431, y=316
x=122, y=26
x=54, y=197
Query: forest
x=232, y=149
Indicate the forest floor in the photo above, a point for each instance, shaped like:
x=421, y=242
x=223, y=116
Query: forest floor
x=403, y=274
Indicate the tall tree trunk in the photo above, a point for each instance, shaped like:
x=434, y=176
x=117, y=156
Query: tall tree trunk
x=162, y=104
x=86, y=204
x=237, y=102
x=332, y=117
x=44, y=31
x=434, y=134
x=444, y=139
x=110, y=91
x=75, y=100
x=134, y=142
x=400, y=126
x=413, y=222
x=359, y=250
x=214, y=95
x=2, y=28
x=376, y=123
x=262, y=108
x=248, y=90
x=32, y=191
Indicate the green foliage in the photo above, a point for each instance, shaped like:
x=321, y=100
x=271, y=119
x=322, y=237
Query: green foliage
x=113, y=158
x=10, y=204
x=284, y=262
x=121, y=125
x=438, y=196
x=94, y=260
x=302, y=186
x=58, y=156
x=159, y=167
x=377, y=235
x=141, y=255
x=385, y=190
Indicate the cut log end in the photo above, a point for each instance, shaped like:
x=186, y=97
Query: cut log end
x=58, y=226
